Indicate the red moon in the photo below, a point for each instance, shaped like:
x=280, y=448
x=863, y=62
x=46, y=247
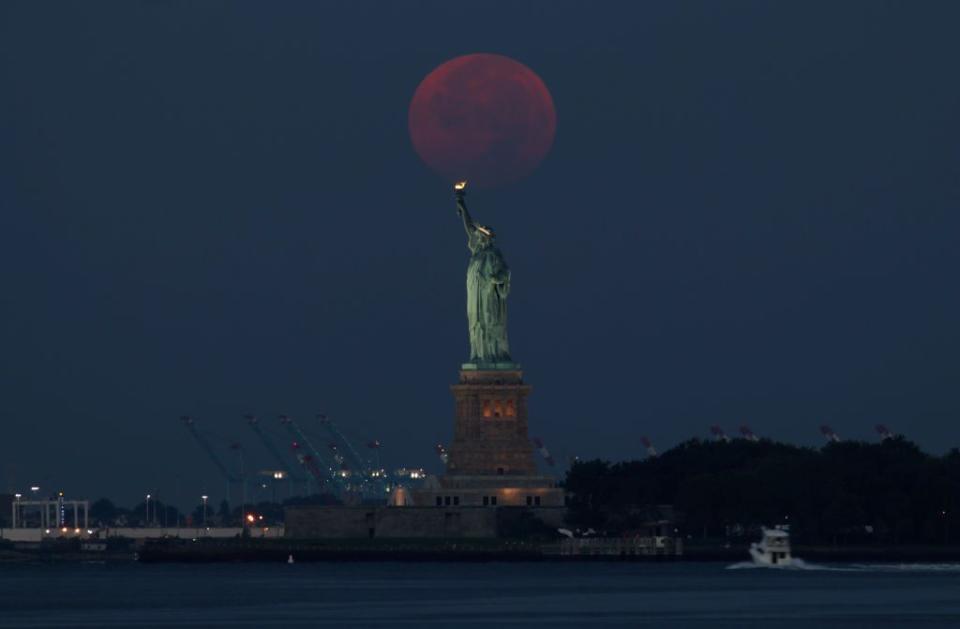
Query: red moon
x=484, y=118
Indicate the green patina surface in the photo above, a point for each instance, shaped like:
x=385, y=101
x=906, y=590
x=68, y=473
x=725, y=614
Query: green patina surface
x=488, y=284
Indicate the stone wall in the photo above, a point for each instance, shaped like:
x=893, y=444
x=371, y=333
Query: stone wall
x=343, y=522
x=458, y=491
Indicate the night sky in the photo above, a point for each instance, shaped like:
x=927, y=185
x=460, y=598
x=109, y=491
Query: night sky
x=749, y=214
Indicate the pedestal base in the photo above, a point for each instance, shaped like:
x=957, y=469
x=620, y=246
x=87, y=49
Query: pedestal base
x=490, y=491
x=490, y=430
x=491, y=460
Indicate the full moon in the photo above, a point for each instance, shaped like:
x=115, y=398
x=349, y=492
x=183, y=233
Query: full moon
x=484, y=118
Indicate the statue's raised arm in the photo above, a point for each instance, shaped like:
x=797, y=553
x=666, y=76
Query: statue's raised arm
x=460, y=188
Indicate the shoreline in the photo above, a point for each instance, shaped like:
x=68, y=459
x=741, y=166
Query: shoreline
x=471, y=551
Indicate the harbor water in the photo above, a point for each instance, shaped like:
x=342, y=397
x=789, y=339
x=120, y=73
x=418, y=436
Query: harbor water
x=388, y=594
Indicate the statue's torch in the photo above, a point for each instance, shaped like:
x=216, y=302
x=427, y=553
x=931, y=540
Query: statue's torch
x=460, y=189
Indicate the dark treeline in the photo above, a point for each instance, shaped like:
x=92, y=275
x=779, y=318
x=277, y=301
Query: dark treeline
x=847, y=492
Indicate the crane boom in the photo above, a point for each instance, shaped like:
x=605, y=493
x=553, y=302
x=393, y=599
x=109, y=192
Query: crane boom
x=828, y=434
x=542, y=449
x=719, y=434
x=353, y=457
x=188, y=422
x=748, y=434
x=651, y=451
x=307, y=462
x=299, y=437
x=281, y=460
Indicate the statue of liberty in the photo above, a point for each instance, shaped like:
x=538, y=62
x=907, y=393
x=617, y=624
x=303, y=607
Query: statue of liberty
x=488, y=284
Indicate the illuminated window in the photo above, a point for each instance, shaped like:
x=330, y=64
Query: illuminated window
x=498, y=409
x=511, y=409
x=487, y=412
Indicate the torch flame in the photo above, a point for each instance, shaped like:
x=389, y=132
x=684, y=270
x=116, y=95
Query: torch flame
x=460, y=185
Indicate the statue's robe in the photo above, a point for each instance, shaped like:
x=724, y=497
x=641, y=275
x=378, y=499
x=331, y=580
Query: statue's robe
x=488, y=284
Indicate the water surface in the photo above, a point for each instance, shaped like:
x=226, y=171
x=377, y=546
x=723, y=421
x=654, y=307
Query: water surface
x=478, y=594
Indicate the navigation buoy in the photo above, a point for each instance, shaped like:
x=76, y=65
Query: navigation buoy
x=289, y=558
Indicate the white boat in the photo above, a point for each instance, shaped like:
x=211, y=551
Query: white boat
x=773, y=549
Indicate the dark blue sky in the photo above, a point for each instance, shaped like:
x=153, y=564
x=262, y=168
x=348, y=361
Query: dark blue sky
x=213, y=208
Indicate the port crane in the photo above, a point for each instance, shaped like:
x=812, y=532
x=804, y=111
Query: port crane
x=308, y=462
x=312, y=458
x=352, y=458
x=884, y=432
x=282, y=461
x=828, y=434
x=351, y=461
x=719, y=434
x=231, y=478
x=748, y=434
x=375, y=445
x=542, y=449
x=651, y=451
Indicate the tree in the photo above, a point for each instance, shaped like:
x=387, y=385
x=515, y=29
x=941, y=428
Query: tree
x=224, y=513
x=848, y=491
x=103, y=512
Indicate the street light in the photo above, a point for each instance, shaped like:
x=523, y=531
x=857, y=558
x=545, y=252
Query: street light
x=147, y=509
x=204, y=498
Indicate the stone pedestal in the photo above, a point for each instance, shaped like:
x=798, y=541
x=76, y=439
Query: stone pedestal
x=490, y=435
x=491, y=460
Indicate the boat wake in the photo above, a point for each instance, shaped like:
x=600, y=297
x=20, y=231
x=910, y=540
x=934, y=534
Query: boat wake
x=800, y=564
x=908, y=567
x=793, y=564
